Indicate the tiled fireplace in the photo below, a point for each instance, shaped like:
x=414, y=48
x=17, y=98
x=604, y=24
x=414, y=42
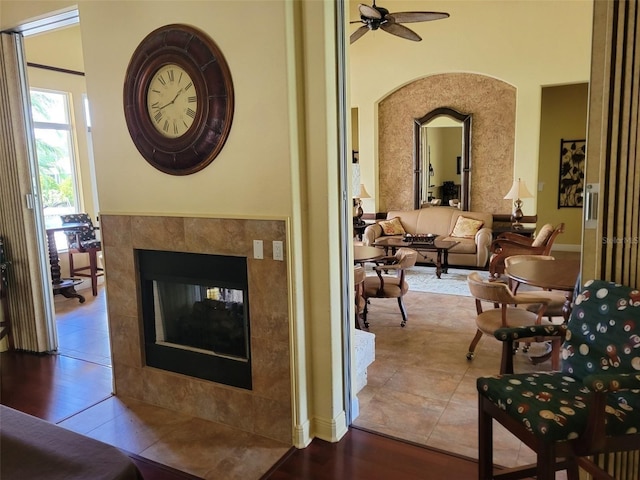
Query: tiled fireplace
x=265, y=407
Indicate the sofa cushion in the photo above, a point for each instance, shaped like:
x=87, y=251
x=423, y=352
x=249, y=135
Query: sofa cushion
x=392, y=227
x=465, y=245
x=466, y=227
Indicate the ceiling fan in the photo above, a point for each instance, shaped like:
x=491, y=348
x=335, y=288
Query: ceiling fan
x=374, y=18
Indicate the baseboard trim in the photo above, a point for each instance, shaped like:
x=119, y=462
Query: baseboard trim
x=331, y=430
x=567, y=247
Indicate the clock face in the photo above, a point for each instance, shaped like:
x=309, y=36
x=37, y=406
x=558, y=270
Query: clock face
x=172, y=101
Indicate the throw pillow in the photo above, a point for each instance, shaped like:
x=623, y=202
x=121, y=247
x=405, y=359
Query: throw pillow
x=392, y=227
x=466, y=227
x=543, y=235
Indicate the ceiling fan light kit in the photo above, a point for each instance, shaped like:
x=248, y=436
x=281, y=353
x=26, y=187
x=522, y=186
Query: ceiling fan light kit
x=374, y=18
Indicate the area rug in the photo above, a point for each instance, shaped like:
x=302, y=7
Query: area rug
x=424, y=279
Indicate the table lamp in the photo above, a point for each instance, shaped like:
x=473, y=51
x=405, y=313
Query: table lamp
x=357, y=204
x=518, y=190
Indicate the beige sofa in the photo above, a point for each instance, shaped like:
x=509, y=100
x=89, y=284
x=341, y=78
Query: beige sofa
x=470, y=252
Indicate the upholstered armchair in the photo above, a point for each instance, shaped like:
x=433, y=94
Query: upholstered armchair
x=389, y=281
x=83, y=240
x=588, y=408
x=504, y=313
x=509, y=243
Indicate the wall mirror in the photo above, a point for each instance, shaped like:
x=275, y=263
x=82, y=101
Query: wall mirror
x=442, y=158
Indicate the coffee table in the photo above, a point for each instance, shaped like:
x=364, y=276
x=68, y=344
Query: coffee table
x=441, y=247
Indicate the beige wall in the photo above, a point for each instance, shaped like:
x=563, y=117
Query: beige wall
x=564, y=116
x=526, y=44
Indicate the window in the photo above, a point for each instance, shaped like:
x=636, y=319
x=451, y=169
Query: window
x=53, y=133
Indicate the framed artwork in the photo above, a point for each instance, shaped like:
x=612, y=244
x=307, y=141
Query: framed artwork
x=571, y=182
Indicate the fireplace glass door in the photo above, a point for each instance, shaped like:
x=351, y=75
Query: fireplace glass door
x=195, y=312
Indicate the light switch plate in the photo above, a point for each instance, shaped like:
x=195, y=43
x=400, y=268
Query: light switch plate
x=258, y=250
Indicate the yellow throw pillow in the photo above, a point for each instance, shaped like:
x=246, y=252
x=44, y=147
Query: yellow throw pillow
x=392, y=227
x=466, y=227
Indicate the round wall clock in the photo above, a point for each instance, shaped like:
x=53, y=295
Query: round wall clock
x=178, y=99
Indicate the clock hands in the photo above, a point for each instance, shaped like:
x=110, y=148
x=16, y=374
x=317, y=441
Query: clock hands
x=172, y=101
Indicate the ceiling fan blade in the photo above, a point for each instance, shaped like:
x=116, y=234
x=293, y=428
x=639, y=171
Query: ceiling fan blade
x=369, y=12
x=412, y=17
x=400, y=31
x=358, y=33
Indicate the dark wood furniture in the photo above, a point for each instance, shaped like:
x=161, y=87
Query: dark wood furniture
x=358, y=228
x=62, y=286
x=508, y=244
x=527, y=229
x=549, y=275
x=83, y=240
x=440, y=247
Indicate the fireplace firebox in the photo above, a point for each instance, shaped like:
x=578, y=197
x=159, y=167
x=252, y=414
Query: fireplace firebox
x=195, y=310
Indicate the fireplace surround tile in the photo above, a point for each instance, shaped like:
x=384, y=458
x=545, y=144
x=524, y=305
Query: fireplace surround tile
x=265, y=410
x=158, y=233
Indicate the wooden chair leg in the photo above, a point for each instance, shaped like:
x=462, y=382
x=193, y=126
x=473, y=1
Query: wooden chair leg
x=474, y=343
x=403, y=311
x=93, y=270
x=506, y=362
x=72, y=271
x=364, y=313
x=485, y=442
x=546, y=466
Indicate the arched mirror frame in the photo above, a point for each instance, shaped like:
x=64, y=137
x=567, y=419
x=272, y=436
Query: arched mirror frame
x=465, y=174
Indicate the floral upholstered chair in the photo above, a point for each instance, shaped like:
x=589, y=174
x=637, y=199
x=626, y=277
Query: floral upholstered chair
x=83, y=240
x=591, y=406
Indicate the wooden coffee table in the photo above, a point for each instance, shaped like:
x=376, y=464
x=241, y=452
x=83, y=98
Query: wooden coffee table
x=441, y=247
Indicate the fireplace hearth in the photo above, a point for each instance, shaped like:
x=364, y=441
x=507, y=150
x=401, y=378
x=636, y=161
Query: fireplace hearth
x=195, y=310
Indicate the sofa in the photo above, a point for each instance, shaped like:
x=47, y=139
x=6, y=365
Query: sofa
x=473, y=247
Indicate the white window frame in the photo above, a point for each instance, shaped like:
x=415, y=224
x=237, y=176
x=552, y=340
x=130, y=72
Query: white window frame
x=69, y=127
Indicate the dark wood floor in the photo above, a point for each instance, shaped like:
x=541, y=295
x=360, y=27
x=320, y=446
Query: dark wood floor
x=54, y=387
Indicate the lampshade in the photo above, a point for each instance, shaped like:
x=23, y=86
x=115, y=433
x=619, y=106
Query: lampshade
x=518, y=190
x=363, y=192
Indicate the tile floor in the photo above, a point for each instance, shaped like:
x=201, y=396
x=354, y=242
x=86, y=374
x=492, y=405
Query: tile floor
x=206, y=449
x=421, y=387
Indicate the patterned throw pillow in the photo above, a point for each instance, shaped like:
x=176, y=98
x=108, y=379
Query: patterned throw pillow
x=466, y=227
x=392, y=227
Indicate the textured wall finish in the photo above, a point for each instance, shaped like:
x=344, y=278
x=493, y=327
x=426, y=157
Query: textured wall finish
x=266, y=409
x=491, y=102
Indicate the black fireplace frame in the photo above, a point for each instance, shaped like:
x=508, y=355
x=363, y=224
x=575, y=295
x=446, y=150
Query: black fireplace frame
x=197, y=269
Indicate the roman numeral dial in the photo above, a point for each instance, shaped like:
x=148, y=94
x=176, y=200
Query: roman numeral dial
x=172, y=101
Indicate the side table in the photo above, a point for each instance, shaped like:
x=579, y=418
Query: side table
x=527, y=229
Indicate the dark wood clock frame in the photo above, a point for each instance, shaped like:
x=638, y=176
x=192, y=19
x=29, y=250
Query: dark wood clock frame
x=201, y=58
